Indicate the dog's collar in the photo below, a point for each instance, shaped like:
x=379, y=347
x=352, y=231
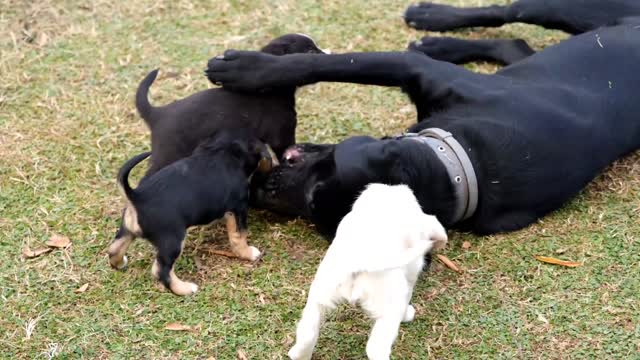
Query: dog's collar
x=458, y=166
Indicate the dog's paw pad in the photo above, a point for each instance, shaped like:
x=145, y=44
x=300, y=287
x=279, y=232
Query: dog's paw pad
x=409, y=314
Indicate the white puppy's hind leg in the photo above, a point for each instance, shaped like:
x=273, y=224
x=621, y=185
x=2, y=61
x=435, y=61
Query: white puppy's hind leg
x=308, y=331
x=383, y=334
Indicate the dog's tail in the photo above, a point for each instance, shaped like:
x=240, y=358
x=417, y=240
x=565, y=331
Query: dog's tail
x=409, y=255
x=142, y=97
x=432, y=237
x=123, y=174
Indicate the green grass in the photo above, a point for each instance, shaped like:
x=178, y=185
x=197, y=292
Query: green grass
x=68, y=72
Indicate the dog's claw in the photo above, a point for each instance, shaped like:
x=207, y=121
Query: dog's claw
x=219, y=57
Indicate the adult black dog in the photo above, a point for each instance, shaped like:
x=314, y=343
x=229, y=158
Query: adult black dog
x=536, y=132
x=572, y=16
x=177, y=128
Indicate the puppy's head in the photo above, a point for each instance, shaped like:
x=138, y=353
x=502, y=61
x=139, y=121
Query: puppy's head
x=242, y=148
x=267, y=157
x=292, y=44
x=255, y=155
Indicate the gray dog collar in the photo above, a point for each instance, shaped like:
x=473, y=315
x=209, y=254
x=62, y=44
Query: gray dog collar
x=458, y=166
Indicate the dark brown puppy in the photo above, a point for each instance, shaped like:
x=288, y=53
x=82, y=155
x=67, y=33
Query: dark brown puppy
x=177, y=128
x=210, y=184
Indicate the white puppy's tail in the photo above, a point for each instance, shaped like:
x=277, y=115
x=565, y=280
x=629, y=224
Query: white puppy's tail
x=432, y=237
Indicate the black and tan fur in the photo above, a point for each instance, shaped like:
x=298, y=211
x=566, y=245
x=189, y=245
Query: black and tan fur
x=210, y=184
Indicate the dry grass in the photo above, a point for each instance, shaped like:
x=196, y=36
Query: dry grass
x=67, y=122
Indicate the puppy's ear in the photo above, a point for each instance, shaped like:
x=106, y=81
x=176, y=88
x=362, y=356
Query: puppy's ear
x=268, y=158
x=362, y=160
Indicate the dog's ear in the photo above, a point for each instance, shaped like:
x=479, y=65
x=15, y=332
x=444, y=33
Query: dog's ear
x=361, y=160
x=268, y=158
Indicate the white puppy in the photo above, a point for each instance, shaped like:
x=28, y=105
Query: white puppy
x=374, y=260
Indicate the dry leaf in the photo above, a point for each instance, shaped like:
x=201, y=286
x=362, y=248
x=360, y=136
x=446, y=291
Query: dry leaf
x=261, y=299
x=223, y=253
x=543, y=319
x=466, y=245
x=59, y=241
x=448, y=263
x=174, y=326
x=241, y=355
x=554, y=261
x=30, y=254
x=82, y=288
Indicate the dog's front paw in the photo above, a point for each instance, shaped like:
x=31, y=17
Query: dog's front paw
x=241, y=70
x=439, y=48
x=299, y=352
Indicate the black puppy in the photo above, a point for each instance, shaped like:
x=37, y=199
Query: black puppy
x=210, y=184
x=177, y=128
x=535, y=133
x=572, y=16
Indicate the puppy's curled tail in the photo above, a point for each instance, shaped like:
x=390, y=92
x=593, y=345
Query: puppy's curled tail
x=123, y=174
x=142, y=97
x=418, y=250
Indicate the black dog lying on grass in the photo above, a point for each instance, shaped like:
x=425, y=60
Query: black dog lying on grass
x=532, y=135
x=210, y=184
x=572, y=16
x=177, y=128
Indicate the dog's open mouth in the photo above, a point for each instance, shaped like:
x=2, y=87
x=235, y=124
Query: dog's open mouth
x=292, y=155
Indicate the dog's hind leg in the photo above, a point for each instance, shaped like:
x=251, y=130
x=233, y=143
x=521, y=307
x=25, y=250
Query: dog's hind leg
x=237, y=232
x=129, y=231
x=118, y=248
x=384, y=333
x=169, y=249
x=388, y=312
x=461, y=51
x=308, y=330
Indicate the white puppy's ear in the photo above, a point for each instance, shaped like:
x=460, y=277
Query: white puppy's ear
x=435, y=232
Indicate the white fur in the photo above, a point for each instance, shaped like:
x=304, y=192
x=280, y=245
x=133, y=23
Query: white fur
x=374, y=261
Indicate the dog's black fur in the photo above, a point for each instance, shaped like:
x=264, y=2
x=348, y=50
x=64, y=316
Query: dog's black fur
x=177, y=128
x=572, y=16
x=192, y=191
x=536, y=131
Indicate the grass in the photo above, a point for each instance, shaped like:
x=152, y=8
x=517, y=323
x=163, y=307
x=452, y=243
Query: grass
x=67, y=122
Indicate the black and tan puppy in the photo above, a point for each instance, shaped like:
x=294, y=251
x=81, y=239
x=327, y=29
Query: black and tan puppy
x=210, y=184
x=177, y=128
